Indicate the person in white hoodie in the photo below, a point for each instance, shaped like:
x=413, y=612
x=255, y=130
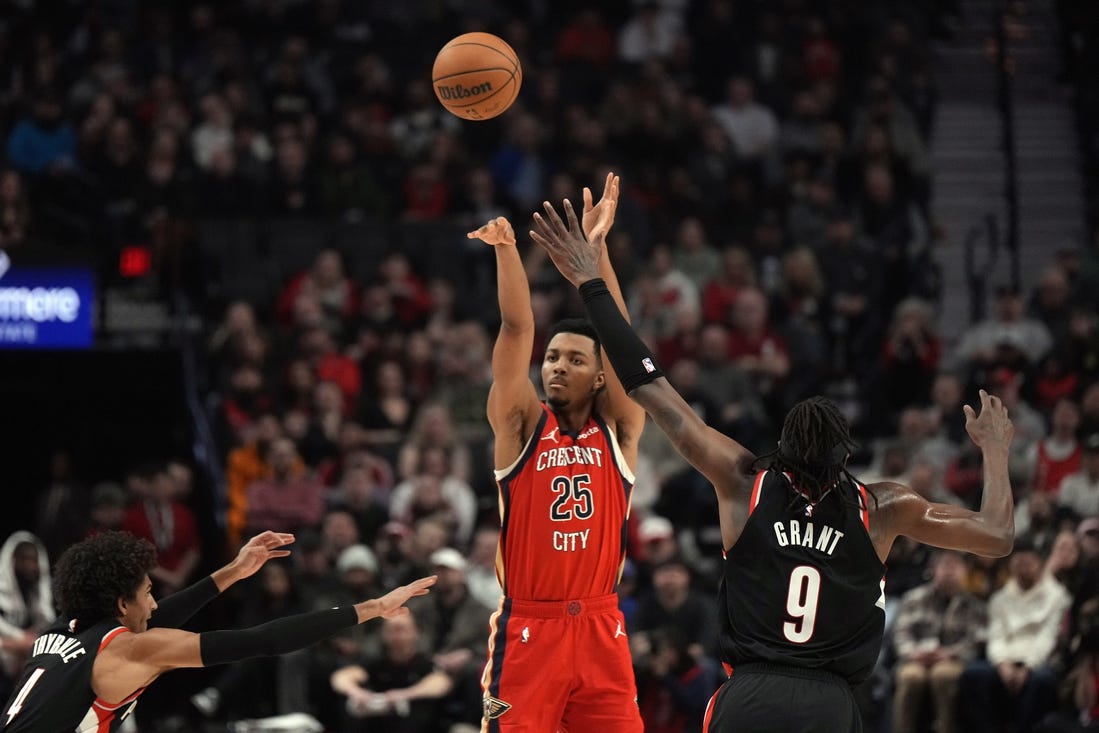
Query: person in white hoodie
x=1016, y=682
x=26, y=600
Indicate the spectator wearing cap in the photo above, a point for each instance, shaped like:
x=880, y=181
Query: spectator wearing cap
x=356, y=570
x=1080, y=491
x=1015, y=681
x=657, y=539
x=452, y=626
x=1005, y=335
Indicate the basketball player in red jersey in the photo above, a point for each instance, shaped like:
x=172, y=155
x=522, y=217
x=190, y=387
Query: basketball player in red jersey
x=805, y=543
x=558, y=656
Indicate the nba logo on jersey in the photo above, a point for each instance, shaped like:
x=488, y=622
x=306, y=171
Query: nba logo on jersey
x=648, y=364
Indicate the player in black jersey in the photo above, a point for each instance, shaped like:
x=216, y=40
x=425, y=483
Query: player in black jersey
x=86, y=672
x=805, y=542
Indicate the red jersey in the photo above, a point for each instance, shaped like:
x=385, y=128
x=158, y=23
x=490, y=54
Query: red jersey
x=564, y=504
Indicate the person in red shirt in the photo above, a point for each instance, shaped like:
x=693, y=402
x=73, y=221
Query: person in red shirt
x=558, y=656
x=160, y=517
x=1058, y=455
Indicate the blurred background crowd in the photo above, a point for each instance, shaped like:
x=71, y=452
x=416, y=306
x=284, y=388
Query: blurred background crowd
x=299, y=194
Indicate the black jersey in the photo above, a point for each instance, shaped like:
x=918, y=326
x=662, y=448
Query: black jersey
x=54, y=694
x=803, y=585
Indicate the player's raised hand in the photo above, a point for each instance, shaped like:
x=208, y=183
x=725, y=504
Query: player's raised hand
x=992, y=425
x=574, y=256
x=597, y=219
x=497, y=231
x=258, y=550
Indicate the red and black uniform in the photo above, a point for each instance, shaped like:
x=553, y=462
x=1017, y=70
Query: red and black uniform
x=804, y=611
x=55, y=691
x=558, y=656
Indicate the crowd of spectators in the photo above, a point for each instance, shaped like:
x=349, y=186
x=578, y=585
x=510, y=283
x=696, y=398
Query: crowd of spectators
x=774, y=239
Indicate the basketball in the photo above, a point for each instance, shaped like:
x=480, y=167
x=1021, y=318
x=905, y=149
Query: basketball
x=476, y=76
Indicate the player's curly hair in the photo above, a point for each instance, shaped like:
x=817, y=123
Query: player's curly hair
x=93, y=574
x=813, y=447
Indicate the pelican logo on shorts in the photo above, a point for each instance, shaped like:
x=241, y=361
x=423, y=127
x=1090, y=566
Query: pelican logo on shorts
x=495, y=708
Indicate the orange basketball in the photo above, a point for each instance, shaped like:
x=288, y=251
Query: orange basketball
x=476, y=76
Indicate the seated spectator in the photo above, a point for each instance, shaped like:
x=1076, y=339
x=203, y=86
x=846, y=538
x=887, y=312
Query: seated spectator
x=1079, y=491
x=159, y=516
x=287, y=500
x=108, y=508
x=245, y=465
x=43, y=141
x=756, y=348
x=1057, y=455
x=673, y=686
x=435, y=491
x=251, y=689
x=357, y=494
x=26, y=602
x=399, y=690
x=481, y=573
x=1015, y=682
x=673, y=603
x=910, y=356
x=980, y=344
x=452, y=624
x=736, y=272
x=327, y=281
x=387, y=411
x=937, y=631
x=433, y=426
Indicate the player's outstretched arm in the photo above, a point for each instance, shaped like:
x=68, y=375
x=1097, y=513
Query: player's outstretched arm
x=721, y=459
x=989, y=531
x=135, y=660
x=512, y=402
x=596, y=221
x=175, y=610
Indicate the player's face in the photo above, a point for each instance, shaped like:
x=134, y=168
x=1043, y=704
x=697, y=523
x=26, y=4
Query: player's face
x=571, y=373
x=137, y=610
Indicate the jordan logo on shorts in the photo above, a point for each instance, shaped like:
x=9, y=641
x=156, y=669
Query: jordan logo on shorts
x=495, y=708
x=619, y=632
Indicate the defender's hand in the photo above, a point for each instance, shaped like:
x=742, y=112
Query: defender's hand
x=574, y=256
x=992, y=426
x=392, y=603
x=497, y=231
x=598, y=219
x=259, y=550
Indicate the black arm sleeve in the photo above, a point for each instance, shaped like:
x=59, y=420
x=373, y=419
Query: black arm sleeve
x=178, y=608
x=274, y=637
x=634, y=364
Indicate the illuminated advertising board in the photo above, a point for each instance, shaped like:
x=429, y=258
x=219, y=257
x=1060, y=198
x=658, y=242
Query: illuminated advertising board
x=45, y=307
